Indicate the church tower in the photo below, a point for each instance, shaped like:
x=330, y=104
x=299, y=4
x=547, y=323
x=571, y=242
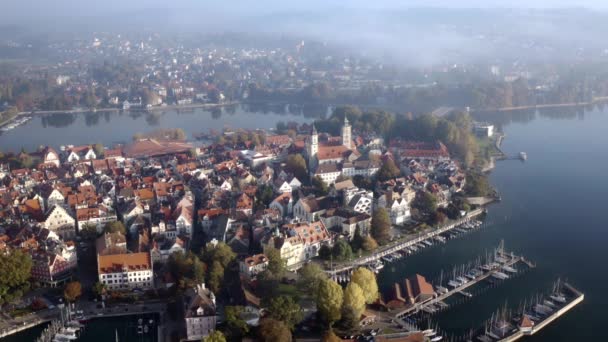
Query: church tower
x=313, y=147
x=346, y=134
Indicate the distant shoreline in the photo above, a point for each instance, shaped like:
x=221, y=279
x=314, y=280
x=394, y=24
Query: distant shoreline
x=117, y=110
x=540, y=106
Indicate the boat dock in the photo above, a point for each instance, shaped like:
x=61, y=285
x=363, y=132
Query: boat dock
x=495, y=271
x=533, y=318
x=335, y=273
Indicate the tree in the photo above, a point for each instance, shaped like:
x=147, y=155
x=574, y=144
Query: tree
x=388, y=171
x=267, y=286
x=272, y=330
x=88, y=232
x=15, y=268
x=354, y=301
x=342, y=251
x=276, y=264
x=115, y=227
x=311, y=275
x=329, y=300
x=319, y=186
x=330, y=336
x=426, y=202
x=381, y=226
x=325, y=252
x=99, y=150
x=477, y=184
x=296, y=165
x=99, y=288
x=215, y=276
x=72, y=291
x=218, y=252
x=366, y=280
x=235, y=324
x=286, y=310
x=369, y=244
x=215, y=336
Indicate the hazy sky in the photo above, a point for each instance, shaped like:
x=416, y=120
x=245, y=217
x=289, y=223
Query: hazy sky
x=22, y=9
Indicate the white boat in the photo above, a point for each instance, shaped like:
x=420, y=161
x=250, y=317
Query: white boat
x=500, y=275
x=509, y=269
x=436, y=338
x=140, y=330
x=462, y=280
x=428, y=332
x=453, y=283
x=442, y=289
x=145, y=329
x=523, y=155
x=427, y=242
x=558, y=298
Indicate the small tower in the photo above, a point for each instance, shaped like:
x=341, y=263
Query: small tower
x=312, y=147
x=346, y=133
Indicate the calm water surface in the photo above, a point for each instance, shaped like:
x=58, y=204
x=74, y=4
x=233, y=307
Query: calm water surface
x=553, y=212
x=114, y=127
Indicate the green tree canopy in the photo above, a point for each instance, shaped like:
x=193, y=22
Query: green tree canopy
x=235, y=324
x=389, y=170
x=342, y=251
x=311, y=275
x=381, y=226
x=272, y=330
x=329, y=300
x=215, y=276
x=220, y=252
x=296, y=165
x=426, y=202
x=99, y=150
x=320, y=187
x=15, y=268
x=276, y=264
x=366, y=280
x=286, y=310
x=215, y=336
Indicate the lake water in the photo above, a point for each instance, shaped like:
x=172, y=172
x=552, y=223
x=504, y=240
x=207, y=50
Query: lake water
x=552, y=208
x=552, y=212
x=118, y=127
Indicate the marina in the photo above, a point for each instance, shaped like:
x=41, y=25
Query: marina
x=399, y=250
x=531, y=317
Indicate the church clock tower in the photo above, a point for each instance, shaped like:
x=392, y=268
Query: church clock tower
x=346, y=134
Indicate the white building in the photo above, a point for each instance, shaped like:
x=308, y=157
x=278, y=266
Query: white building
x=59, y=221
x=398, y=208
x=200, y=315
x=251, y=266
x=125, y=271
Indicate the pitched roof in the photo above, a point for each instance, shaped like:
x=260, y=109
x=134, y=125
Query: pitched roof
x=118, y=262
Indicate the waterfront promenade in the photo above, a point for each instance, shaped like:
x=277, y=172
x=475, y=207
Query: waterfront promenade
x=401, y=244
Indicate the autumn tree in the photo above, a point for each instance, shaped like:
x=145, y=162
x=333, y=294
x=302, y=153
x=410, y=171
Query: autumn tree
x=369, y=244
x=215, y=336
x=286, y=310
x=72, y=291
x=353, y=305
x=426, y=202
x=330, y=336
x=381, y=226
x=329, y=300
x=366, y=280
x=272, y=330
